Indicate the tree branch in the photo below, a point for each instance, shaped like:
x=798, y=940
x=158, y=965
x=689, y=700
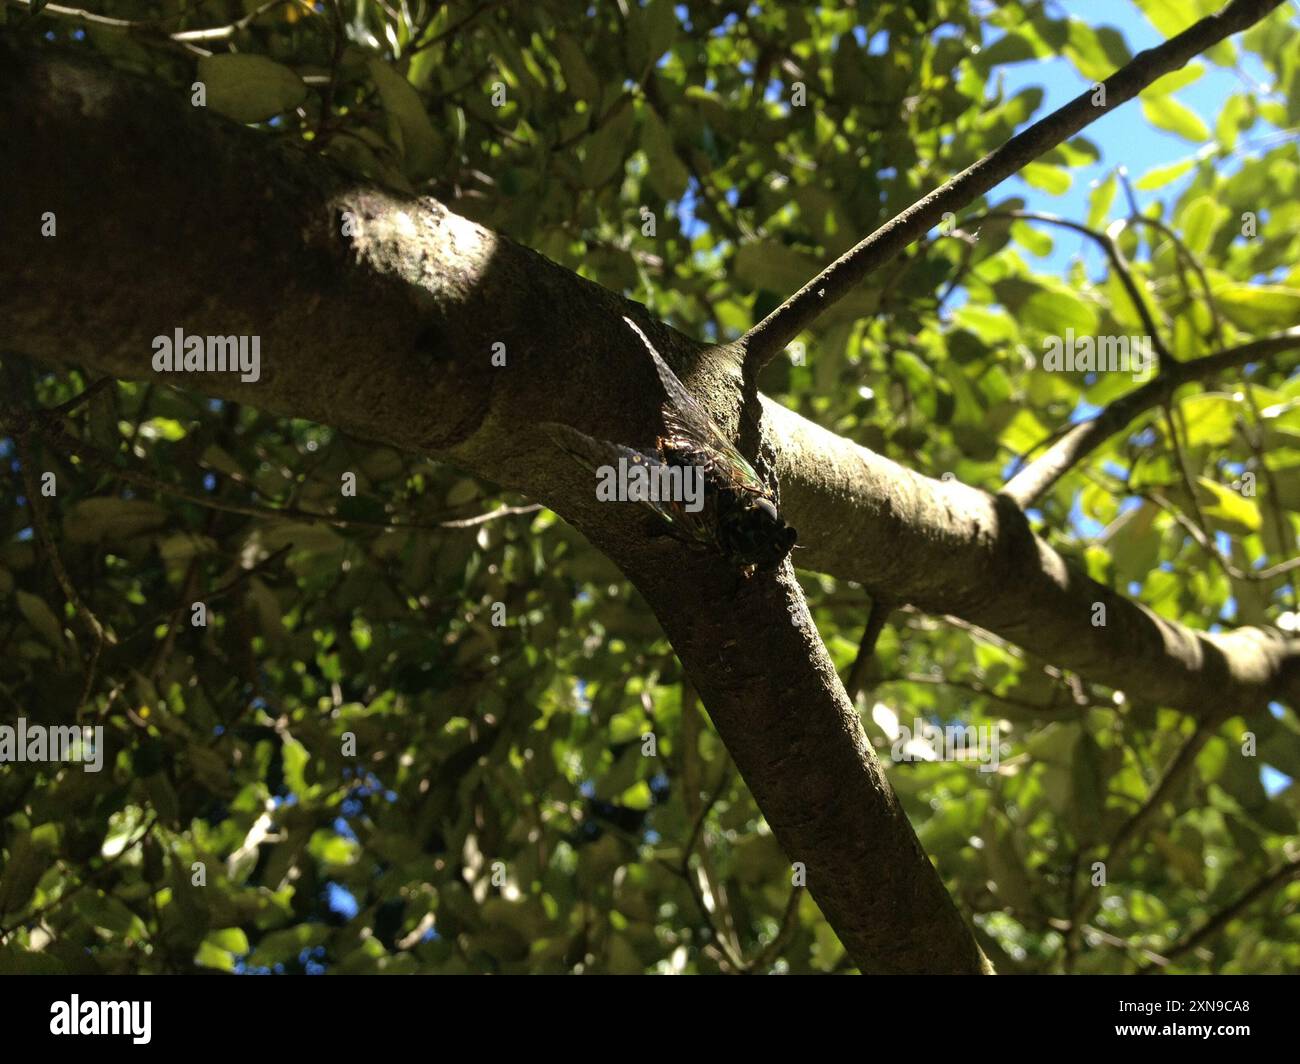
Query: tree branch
x=947, y=548
x=59, y=439
x=1207, y=545
x=1264, y=885
x=766, y=339
x=1087, y=904
x=876, y=619
x=153, y=27
x=1035, y=479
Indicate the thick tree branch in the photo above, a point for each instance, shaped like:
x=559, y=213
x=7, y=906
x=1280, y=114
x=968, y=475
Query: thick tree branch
x=950, y=549
x=379, y=315
x=389, y=334
x=766, y=339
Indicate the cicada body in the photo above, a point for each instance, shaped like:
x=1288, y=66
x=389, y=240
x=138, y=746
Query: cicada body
x=738, y=517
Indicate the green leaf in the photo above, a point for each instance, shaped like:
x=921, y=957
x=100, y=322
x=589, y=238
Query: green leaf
x=105, y=912
x=1236, y=513
x=627, y=726
x=661, y=26
x=41, y=618
x=665, y=171
x=1096, y=53
x=638, y=796
x=23, y=871
x=282, y=945
x=1168, y=114
x=1099, y=201
x=1163, y=175
x=650, y=31
x=231, y=939
x=211, y=956
x=1170, y=17
x=1173, y=81
x=1047, y=306
x=250, y=88
x=296, y=759
x=163, y=428
x=605, y=151
x=581, y=80
x=1134, y=541
x=1053, y=179
x=1018, y=46
x=1200, y=220
x=849, y=70
x=420, y=144
x=772, y=265
x=334, y=851
x=1260, y=307
x=111, y=520
x=269, y=615
x=1237, y=114
x=14, y=960
x=1006, y=868
x=1211, y=418
x=1023, y=432
x=1033, y=240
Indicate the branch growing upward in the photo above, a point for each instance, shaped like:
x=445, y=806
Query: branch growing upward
x=769, y=337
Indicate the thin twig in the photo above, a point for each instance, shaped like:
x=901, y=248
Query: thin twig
x=1184, y=471
x=491, y=515
x=85, y=395
x=455, y=27
x=881, y=607
x=789, y=924
x=98, y=633
x=1221, y=919
x=1207, y=545
x=71, y=445
x=1276, y=510
x=1106, y=241
x=1198, y=268
x=1181, y=764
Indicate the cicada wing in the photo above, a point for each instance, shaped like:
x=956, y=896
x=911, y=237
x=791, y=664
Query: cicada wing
x=600, y=455
x=590, y=453
x=684, y=414
x=686, y=418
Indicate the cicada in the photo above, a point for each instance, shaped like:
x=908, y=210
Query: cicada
x=738, y=516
